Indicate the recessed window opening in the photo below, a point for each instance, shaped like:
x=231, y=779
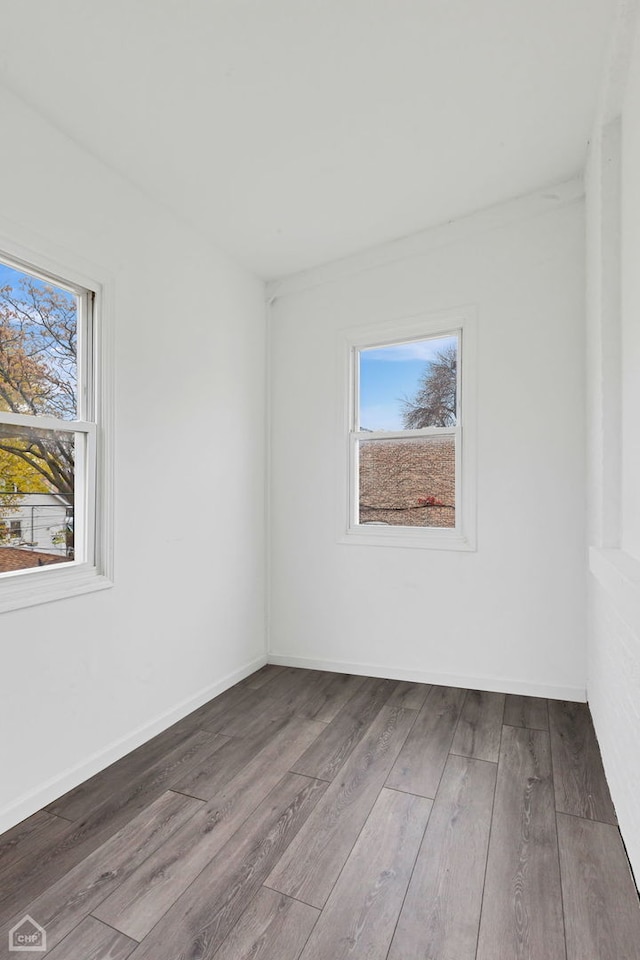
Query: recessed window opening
x=410, y=416
x=406, y=432
x=47, y=421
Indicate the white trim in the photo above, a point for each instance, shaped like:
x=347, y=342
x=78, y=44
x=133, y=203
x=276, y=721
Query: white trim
x=104, y=402
x=35, y=421
x=492, y=684
x=604, y=336
x=405, y=434
x=23, y=264
x=31, y=587
x=57, y=262
x=435, y=538
x=460, y=321
x=52, y=789
x=617, y=62
x=268, y=577
x=548, y=198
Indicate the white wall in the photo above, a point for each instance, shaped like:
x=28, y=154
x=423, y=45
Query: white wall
x=86, y=679
x=613, y=307
x=510, y=616
x=630, y=314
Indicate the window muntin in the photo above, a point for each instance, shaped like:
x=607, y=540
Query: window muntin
x=405, y=466
x=47, y=420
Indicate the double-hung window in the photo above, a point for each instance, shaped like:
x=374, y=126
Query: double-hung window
x=49, y=492
x=410, y=433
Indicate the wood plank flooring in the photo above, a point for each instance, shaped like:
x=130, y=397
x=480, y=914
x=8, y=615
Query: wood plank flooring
x=522, y=902
x=306, y=815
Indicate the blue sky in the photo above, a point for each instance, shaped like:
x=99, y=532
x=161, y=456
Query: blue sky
x=9, y=276
x=388, y=374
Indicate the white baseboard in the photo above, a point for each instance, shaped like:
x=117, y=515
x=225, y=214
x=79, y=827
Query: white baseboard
x=57, y=786
x=493, y=684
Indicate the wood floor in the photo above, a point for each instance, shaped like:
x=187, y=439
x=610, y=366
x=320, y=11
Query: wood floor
x=320, y=816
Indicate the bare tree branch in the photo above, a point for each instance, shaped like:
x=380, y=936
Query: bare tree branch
x=38, y=375
x=434, y=404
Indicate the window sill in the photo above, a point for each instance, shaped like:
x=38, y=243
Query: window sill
x=411, y=537
x=32, y=587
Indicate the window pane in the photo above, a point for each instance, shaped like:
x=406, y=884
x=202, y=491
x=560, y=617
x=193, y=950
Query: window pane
x=407, y=386
x=37, y=494
x=408, y=482
x=38, y=346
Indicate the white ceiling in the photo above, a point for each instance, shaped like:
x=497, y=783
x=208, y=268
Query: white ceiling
x=299, y=131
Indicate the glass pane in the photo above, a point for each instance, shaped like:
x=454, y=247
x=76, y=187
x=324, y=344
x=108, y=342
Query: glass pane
x=407, y=386
x=408, y=482
x=38, y=346
x=37, y=494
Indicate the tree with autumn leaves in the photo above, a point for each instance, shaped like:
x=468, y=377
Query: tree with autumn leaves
x=38, y=348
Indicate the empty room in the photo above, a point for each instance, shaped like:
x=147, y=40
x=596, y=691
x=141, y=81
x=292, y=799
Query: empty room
x=320, y=479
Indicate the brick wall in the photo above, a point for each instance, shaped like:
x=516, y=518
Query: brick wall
x=398, y=478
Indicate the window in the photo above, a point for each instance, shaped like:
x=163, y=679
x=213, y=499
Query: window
x=54, y=542
x=409, y=451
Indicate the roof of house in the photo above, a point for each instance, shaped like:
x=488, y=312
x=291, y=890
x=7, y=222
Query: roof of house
x=13, y=558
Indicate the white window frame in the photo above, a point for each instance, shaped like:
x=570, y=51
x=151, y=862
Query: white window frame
x=461, y=322
x=93, y=514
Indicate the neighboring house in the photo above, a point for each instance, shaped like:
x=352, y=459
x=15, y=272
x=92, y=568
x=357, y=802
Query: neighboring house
x=37, y=523
x=408, y=482
x=14, y=558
